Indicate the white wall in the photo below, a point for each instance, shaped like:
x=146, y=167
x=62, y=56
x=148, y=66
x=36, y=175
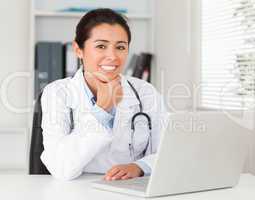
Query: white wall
x=173, y=51
x=14, y=87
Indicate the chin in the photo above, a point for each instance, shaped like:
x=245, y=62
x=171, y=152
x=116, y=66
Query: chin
x=108, y=77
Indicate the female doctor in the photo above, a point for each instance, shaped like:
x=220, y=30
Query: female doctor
x=87, y=119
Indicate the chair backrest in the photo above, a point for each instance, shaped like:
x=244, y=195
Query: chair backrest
x=36, y=148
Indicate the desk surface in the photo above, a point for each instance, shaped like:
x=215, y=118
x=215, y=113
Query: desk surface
x=19, y=187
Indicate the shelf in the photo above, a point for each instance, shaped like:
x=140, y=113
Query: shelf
x=39, y=13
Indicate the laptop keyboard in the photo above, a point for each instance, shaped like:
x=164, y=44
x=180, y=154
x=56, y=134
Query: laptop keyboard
x=139, y=183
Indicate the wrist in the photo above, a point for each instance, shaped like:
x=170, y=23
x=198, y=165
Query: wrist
x=139, y=169
x=103, y=107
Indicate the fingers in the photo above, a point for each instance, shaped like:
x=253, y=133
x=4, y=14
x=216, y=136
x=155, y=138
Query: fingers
x=123, y=172
x=116, y=176
x=101, y=78
x=109, y=94
x=117, y=78
x=111, y=173
x=110, y=84
x=115, y=82
x=127, y=176
x=119, y=175
x=115, y=173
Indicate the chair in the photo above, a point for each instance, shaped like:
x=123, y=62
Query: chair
x=36, y=148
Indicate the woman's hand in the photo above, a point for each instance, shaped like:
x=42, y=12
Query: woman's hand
x=122, y=172
x=109, y=94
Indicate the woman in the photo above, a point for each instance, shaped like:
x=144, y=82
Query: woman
x=87, y=118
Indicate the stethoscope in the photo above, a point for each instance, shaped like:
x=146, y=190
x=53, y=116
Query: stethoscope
x=140, y=113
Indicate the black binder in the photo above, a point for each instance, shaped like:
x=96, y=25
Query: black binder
x=143, y=64
x=48, y=64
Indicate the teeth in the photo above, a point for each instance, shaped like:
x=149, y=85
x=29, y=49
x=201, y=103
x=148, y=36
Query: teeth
x=108, y=67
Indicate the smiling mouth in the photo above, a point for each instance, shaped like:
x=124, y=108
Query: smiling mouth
x=108, y=68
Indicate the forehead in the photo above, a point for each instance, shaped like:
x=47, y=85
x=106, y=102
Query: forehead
x=109, y=32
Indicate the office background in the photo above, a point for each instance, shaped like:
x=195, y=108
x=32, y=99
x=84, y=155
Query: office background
x=173, y=40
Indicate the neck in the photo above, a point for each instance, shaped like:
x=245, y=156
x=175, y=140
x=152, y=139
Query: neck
x=91, y=83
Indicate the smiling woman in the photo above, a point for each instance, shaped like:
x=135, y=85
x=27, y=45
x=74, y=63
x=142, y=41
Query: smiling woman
x=102, y=103
x=102, y=41
x=105, y=51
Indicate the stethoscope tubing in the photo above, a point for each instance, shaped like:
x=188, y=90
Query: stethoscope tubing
x=149, y=124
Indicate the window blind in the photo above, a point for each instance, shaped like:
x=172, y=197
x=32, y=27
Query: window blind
x=227, y=54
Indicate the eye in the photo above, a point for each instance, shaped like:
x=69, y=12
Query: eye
x=101, y=46
x=121, y=47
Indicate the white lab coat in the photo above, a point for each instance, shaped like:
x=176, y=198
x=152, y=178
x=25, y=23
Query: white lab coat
x=89, y=146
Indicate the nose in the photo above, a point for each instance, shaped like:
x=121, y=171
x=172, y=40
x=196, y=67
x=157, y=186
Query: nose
x=111, y=53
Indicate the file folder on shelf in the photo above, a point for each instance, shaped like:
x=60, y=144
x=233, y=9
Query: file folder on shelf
x=48, y=64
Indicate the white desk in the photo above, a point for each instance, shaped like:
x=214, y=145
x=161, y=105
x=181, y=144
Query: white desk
x=25, y=187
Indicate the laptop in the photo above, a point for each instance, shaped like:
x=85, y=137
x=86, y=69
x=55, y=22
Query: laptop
x=197, y=151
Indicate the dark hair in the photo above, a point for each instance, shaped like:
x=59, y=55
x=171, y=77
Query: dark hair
x=97, y=17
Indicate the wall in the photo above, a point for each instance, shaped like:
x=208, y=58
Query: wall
x=173, y=52
x=14, y=83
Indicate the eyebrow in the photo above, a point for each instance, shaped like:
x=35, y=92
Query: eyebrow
x=109, y=41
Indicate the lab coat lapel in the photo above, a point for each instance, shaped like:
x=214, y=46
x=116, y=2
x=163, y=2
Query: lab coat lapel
x=82, y=106
x=79, y=93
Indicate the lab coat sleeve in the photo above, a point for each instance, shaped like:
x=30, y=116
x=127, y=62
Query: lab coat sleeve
x=144, y=166
x=160, y=118
x=67, y=152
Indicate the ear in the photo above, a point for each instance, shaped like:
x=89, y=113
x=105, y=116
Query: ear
x=78, y=52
